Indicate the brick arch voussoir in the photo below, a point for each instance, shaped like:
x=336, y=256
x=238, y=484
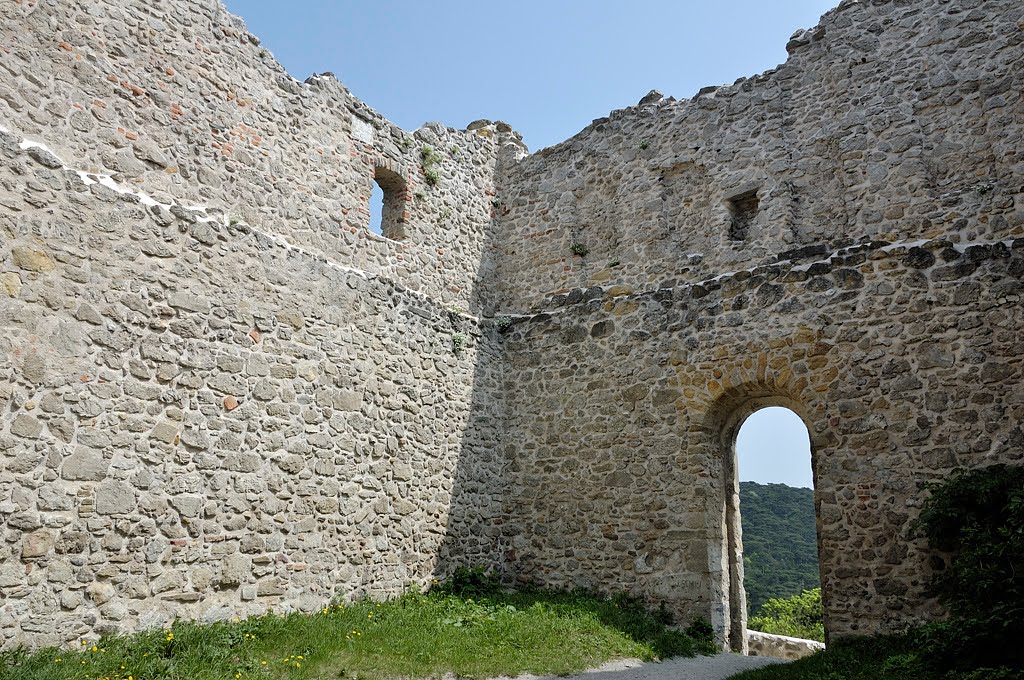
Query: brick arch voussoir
x=731, y=405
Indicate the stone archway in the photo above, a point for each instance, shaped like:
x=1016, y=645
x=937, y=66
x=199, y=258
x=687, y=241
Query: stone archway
x=722, y=426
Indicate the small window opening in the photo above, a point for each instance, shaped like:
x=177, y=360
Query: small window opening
x=388, y=213
x=743, y=208
x=376, y=209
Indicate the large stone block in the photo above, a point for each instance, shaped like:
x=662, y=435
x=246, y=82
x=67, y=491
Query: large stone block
x=85, y=464
x=115, y=498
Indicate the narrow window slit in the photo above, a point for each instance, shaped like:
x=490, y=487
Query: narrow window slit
x=743, y=209
x=388, y=204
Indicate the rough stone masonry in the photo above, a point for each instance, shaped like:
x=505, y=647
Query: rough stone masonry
x=222, y=393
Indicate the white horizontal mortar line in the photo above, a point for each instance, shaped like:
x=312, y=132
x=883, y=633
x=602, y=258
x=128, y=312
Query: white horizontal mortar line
x=144, y=198
x=147, y=200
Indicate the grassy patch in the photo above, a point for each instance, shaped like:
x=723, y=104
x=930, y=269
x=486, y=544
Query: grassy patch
x=416, y=635
x=910, y=656
x=859, y=658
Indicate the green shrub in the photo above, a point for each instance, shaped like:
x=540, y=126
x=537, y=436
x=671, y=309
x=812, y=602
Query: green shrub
x=799, y=616
x=473, y=582
x=978, y=516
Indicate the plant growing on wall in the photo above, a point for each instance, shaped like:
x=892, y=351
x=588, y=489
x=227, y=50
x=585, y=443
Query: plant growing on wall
x=458, y=343
x=579, y=249
x=428, y=159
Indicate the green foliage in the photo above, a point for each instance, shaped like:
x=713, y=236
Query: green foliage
x=454, y=314
x=798, y=616
x=470, y=582
x=482, y=632
x=458, y=343
x=428, y=159
x=780, y=546
x=428, y=156
x=503, y=323
x=977, y=517
x=853, y=658
x=579, y=249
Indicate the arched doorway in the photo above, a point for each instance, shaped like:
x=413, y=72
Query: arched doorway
x=766, y=441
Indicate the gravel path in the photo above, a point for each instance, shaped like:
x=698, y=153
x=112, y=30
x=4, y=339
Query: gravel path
x=716, y=667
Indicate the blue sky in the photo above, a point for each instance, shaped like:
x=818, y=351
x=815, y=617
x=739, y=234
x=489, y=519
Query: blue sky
x=547, y=68
x=773, y=447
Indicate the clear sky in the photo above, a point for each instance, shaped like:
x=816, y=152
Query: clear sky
x=773, y=447
x=547, y=67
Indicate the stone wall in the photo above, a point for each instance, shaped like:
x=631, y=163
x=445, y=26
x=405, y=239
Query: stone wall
x=890, y=120
x=180, y=101
x=904, y=362
x=221, y=393
x=781, y=646
x=834, y=236
x=202, y=421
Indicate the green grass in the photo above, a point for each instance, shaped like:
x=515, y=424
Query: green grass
x=859, y=658
x=908, y=656
x=413, y=636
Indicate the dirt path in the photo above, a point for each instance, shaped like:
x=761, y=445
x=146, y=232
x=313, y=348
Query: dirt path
x=698, y=668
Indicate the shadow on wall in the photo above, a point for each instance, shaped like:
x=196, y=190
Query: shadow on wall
x=473, y=497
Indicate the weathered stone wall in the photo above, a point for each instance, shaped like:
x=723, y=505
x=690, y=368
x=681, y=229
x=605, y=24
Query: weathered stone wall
x=890, y=120
x=781, y=646
x=201, y=421
x=685, y=263
x=219, y=392
x=623, y=409
x=179, y=100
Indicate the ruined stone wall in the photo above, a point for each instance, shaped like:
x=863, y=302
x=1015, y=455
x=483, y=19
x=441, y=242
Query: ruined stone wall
x=890, y=120
x=180, y=101
x=904, y=363
x=678, y=265
x=227, y=425
x=219, y=392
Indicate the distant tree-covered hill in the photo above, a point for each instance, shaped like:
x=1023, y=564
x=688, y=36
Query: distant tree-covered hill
x=780, y=550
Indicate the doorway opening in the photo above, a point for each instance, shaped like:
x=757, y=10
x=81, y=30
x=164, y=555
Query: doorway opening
x=771, y=520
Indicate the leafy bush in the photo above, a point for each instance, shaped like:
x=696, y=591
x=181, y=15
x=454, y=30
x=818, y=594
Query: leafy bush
x=799, y=616
x=976, y=517
x=472, y=582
